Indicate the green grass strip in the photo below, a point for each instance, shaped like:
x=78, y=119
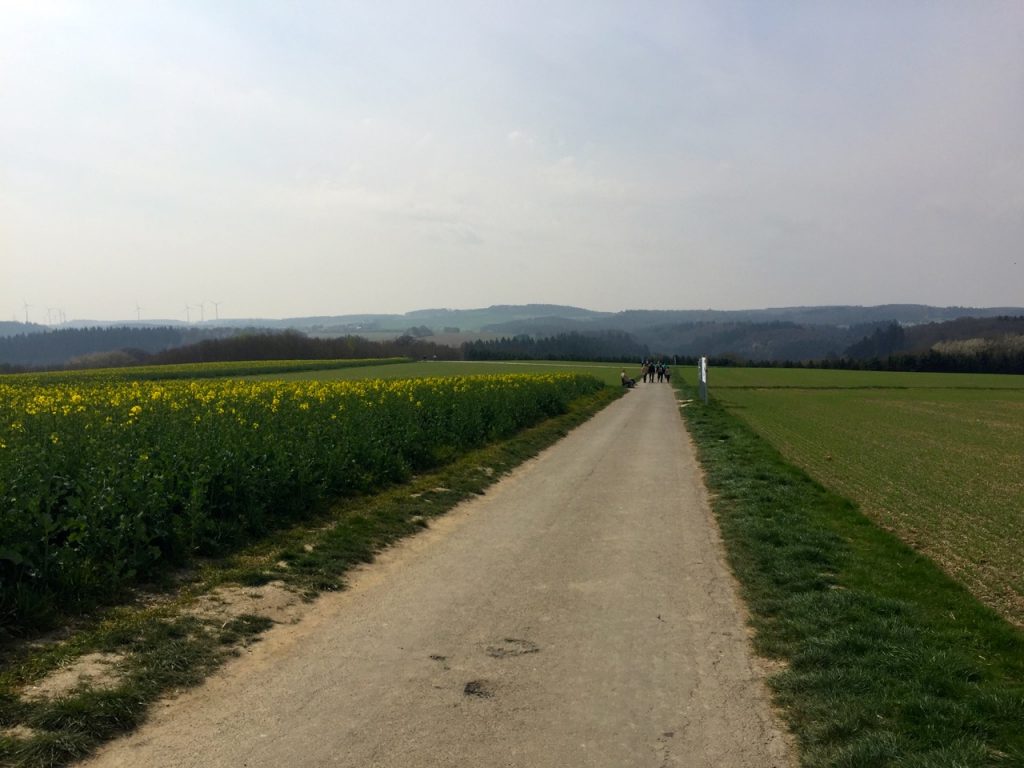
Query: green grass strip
x=887, y=661
x=164, y=648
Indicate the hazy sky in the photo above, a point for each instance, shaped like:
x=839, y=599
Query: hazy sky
x=301, y=158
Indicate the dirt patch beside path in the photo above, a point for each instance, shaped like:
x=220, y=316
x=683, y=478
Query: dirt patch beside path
x=94, y=670
x=273, y=601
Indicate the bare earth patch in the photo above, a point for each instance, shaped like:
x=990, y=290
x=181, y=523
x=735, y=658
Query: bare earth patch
x=95, y=670
x=20, y=732
x=273, y=601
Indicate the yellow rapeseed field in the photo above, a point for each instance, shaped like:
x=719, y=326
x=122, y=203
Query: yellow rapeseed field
x=101, y=482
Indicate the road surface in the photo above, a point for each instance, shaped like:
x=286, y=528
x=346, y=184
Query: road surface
x=578, y=614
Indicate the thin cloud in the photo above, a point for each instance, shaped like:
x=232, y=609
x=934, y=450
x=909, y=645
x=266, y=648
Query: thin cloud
x=703, y=154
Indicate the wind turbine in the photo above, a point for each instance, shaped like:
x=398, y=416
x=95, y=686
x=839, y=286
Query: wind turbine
x=216, y=309
x=202, y=311
x=138, y=311
x=26, y=306
x=188, y=313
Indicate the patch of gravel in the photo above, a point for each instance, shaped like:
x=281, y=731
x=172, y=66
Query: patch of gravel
x=480, y=689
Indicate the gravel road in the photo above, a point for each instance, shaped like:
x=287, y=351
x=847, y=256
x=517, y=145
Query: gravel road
x=578, y=614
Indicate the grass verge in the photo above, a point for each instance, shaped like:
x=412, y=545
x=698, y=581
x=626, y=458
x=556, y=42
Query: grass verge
x=887, y=660
x=941, y=468
x=158, y=646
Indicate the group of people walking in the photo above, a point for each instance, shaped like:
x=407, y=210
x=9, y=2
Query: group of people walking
x=659, y=369
x=649, y=370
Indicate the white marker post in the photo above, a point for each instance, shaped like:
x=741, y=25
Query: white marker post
x=702, y=372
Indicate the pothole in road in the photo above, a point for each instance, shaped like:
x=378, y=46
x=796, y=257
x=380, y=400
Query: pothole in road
x=480, y=689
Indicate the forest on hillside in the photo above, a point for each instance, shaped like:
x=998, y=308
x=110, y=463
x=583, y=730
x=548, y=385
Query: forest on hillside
x=966, y=343
x=252, y=345
x=603, y=345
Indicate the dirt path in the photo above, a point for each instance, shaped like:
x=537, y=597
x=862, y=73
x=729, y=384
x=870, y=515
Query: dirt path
x=579, y=614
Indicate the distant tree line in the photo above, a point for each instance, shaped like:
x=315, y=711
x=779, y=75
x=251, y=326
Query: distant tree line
x=935, y=361
x=118, y=347
x=50, y=348
x=294, y=345
x=968, y=345
x=14, y=328
x=992, y=359
x=883, y=342
x=928, y=335
x=976, y=345
x=614, y=346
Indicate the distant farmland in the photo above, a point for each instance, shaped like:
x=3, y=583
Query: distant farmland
x=605, y=372
x=936, y=458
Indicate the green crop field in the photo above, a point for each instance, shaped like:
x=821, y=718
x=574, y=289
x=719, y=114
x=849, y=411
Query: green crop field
x=104, y=482
x=111, y=481
x=770, y=378
x=936, y=458
x=188, y=371
x=606, y=372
